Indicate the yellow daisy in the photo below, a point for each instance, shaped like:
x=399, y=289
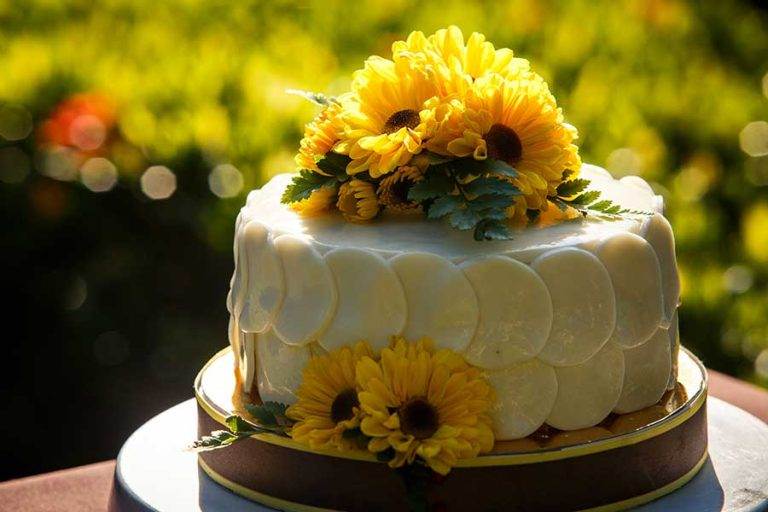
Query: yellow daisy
x=357, y=200
x=327, y=403
x=318, y=202
x=319, y=137
x=458, y=63
x=423, y=403
x=393, y=189
x=516, y=121
x=389, y=116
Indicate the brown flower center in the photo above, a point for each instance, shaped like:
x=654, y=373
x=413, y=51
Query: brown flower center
x=343, y=406
x=418, y=418
x=504, y=144
x=402, y=118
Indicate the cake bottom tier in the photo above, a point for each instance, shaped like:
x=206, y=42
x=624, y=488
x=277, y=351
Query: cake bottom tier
x=588, y=470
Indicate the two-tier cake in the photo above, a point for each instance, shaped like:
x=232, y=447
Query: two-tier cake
x=446, y=309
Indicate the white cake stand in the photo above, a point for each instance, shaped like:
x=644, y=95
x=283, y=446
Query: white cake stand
x=154, y=473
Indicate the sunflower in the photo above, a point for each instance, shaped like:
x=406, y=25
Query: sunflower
x=389, y=116
x=357, y=200
x=418, y=402
x=319, y=137
x=393, y=189
x=516, y=121
x=318, y=202
x=327, y=403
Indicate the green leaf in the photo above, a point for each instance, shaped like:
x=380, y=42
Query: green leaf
x=492, y=201
x=442, y=206
x=302, y=186
x=585, y=198
x=491, y=186
x=334, y=164
x=237, y=424
x=572, y=187
x=464, y=218
x=269, y=414
x=500, y=167
x=434, y=185
x=492, y=229
x=467, y=166
x=317, y=98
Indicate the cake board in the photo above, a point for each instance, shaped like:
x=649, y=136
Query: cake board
x=155, y=473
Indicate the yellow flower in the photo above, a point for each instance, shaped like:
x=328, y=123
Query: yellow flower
x=318, y=202
x=458, y=63
x=516, y=121
x=357, y=200
x=393, y=189
x=327, y=403
x=423, y=403
x=319, y=137
x=389, y=116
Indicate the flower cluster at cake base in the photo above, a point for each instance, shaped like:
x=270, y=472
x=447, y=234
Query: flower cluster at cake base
x=446, y=128
x=410, y=405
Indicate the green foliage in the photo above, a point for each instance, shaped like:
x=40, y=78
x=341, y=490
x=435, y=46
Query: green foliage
x=270, y=418
x=471, y=194
x=306, y=182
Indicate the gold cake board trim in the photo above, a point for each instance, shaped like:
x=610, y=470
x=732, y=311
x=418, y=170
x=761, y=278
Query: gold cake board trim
x=289, y=506
x=670, y=422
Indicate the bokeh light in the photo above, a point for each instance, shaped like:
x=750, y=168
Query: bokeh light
x=14, y=165
x=738, y=278
x=59, y=163
x=98, y=174
x=753, y=139
x=87, y=132
x=76, y=294
x=15, y=122
x=623, y=161
x=225, y=180
x=158, y=182
x=754, y=231
x=761, y=364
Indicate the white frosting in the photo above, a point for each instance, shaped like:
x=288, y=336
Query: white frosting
x=310, y=296
x=371, y=304
x=658, y=233
x=545, y=303
x=516, y=312
x=583, y=303
x=587, y=393
x=279, y=368
x=441, y=303
x=525, y=395
x=634, y=270
x=646, y=373
x=258, y=300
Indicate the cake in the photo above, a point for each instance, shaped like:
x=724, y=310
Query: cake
x=445, y=283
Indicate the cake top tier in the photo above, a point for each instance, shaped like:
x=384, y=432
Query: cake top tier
x=396, y=232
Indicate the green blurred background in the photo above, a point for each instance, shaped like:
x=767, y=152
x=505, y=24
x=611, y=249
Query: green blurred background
x=131, y=130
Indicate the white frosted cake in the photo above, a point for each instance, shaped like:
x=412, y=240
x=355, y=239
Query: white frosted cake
x=443, y=308
x=571, y=322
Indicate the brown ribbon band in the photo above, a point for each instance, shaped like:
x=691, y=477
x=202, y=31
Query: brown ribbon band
x=573, y=483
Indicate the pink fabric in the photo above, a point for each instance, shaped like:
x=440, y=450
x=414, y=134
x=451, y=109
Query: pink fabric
x=87, y=488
